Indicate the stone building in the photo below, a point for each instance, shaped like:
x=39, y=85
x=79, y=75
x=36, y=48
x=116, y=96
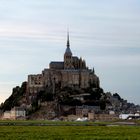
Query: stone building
x=102, y=117
x=72, y=72
x=16, y=113
x=83, y=110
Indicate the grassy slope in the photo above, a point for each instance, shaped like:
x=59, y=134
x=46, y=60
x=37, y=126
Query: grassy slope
x=69, y=132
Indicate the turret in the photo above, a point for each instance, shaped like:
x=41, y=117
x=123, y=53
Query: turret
x=80, y=63
x=84, y=64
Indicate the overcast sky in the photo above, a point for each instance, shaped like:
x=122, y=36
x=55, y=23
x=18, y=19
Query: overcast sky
x=106, y=33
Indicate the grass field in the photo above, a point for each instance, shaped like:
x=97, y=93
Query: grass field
x=47, y=122
x=69, y=132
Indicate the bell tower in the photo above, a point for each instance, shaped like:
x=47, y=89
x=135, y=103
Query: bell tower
x=68, y=55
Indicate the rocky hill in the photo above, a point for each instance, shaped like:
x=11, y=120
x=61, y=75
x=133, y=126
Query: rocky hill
x=63, y=102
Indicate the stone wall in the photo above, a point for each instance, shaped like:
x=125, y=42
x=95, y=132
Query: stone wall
x=65, y=78
x=102, y=117
x=70, y=78
x=35, y=83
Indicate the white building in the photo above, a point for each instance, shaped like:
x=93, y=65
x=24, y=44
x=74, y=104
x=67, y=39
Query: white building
x=15, y=114
x=6, y=115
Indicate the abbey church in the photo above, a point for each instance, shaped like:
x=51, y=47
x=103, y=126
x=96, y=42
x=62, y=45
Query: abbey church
x=72, y=72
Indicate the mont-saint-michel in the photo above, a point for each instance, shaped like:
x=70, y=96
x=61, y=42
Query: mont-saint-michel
x=69, y=69
x=67, y=90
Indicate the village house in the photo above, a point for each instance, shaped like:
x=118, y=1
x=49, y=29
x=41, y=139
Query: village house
x=16, y=113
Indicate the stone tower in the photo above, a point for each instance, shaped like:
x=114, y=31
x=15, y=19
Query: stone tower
x=68, y=55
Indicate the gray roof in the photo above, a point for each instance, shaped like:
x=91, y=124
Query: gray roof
x=68, y=51
x=56, y=65
x=75, y=58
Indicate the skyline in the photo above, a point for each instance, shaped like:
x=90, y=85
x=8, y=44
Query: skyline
x=104, y=33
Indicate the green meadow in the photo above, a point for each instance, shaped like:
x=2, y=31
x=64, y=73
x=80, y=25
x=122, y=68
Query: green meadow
x=69, y=132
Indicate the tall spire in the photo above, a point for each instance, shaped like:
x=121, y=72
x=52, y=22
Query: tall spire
x=68, y=51
x=68, y=42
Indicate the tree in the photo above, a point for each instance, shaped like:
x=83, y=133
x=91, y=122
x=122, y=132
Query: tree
x=15, y=97
x=116, y=95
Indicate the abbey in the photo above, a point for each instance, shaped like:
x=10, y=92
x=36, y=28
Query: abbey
x=72, y=72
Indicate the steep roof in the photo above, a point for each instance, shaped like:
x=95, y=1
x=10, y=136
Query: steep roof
x=56, y=65
x=68, y=51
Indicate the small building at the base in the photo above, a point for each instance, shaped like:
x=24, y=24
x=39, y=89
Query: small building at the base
x=16, y=113
x=102, y=117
